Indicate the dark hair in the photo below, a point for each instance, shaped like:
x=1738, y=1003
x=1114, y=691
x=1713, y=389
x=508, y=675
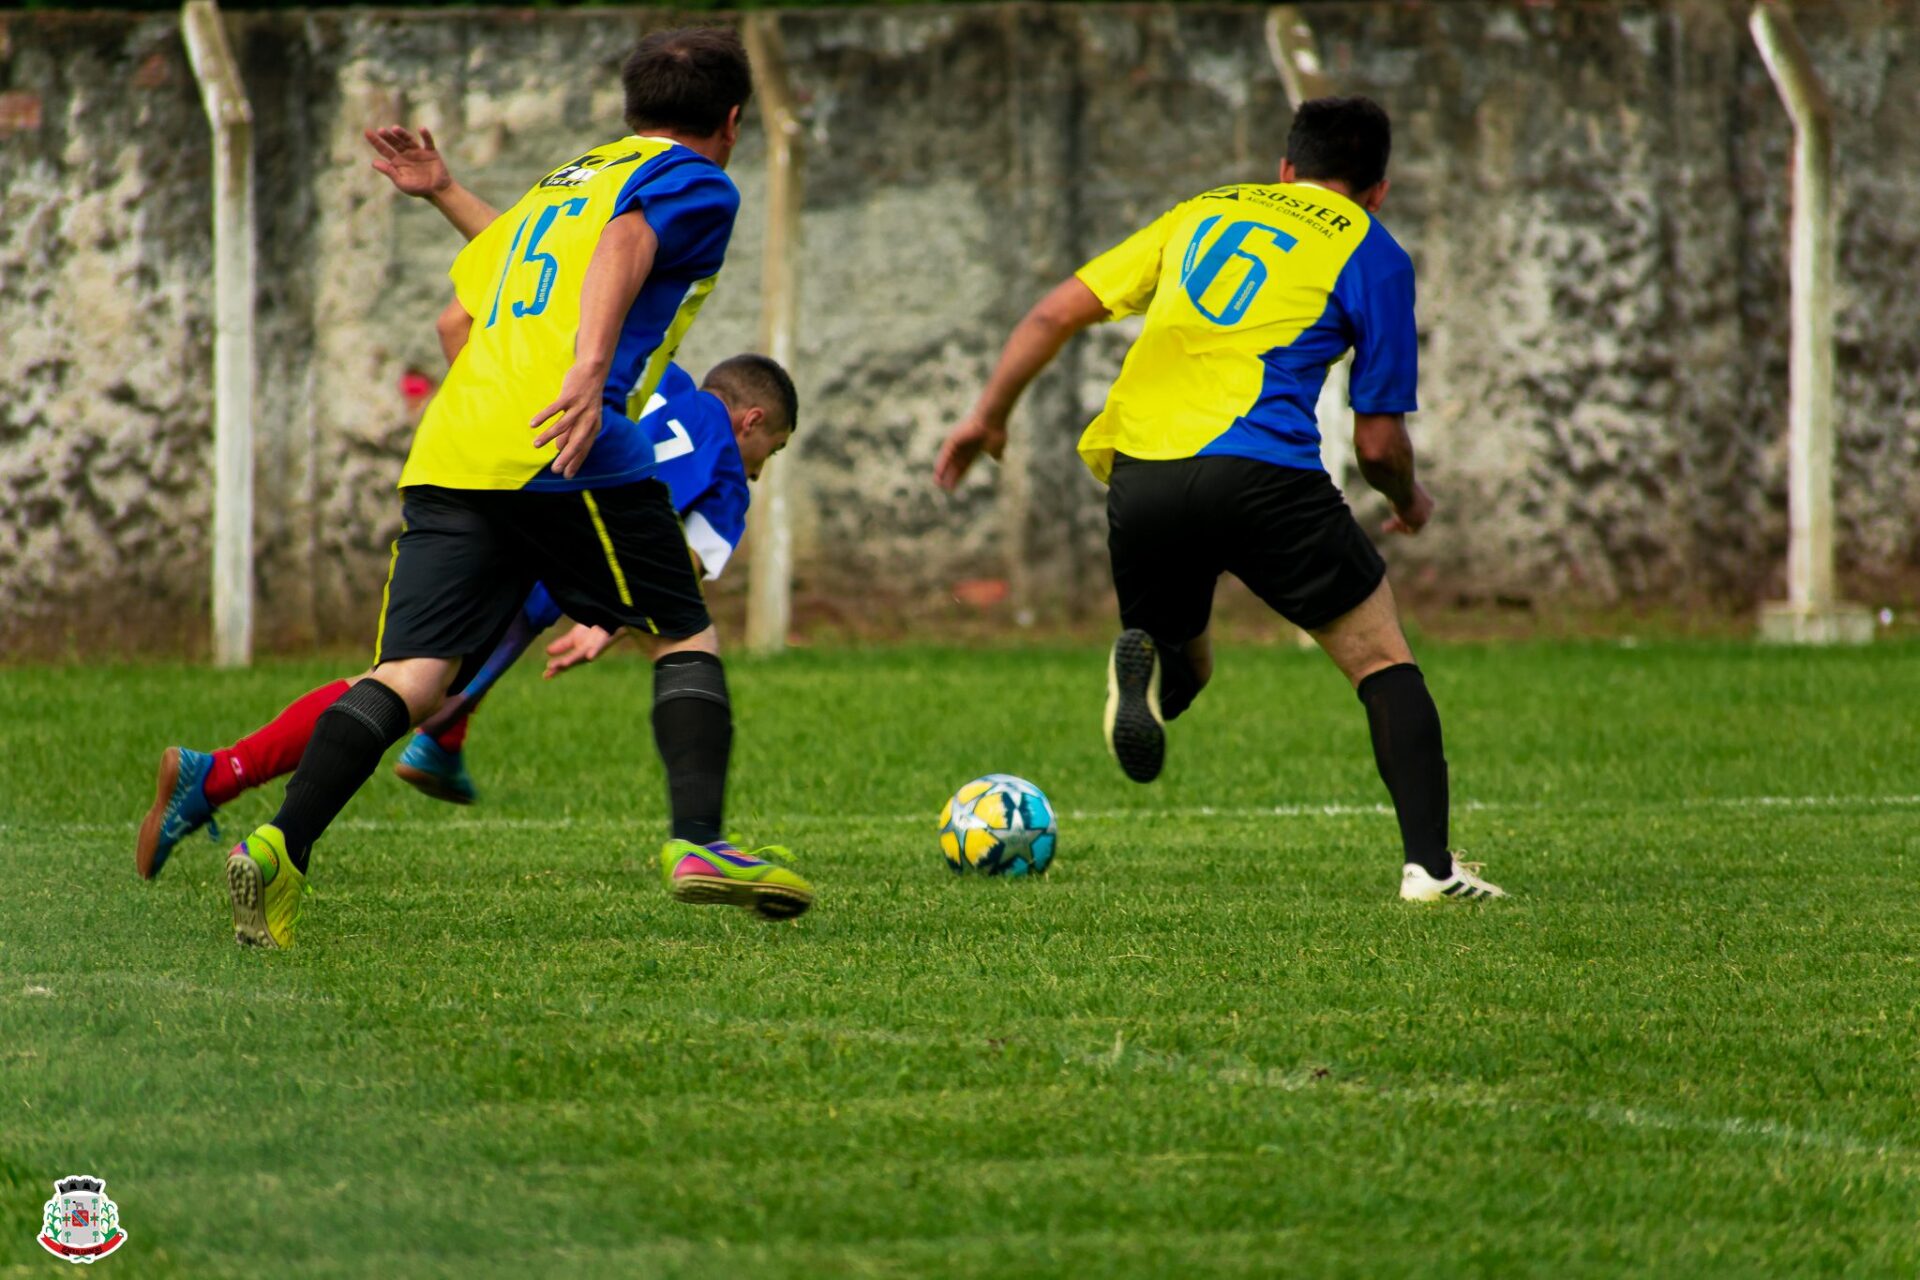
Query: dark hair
x=686, y=80
x=1345, y=139
x=751, y=380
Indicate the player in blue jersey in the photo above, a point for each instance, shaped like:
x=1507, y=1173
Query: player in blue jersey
x=1211, y=452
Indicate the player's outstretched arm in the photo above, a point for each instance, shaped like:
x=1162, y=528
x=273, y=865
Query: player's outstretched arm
x=416, y=168
x=621, y=261
x=1035, y=341
x=1384, y=451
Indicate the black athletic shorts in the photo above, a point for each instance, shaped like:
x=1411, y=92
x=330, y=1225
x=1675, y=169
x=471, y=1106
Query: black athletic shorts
x=466, y=558
x=1173, y=527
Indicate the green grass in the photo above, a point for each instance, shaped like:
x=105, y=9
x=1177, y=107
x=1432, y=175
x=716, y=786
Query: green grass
x=1208, y=1043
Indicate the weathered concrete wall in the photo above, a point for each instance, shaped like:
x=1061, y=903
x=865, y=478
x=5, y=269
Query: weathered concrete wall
x=1593, y=194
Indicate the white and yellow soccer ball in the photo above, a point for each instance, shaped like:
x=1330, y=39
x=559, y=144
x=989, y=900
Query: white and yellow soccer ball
x=999, y=825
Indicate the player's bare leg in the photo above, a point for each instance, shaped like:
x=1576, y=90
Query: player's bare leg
x=1369, y=647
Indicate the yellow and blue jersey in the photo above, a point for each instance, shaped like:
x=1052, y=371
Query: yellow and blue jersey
x=1251, y=292
x=520, y=280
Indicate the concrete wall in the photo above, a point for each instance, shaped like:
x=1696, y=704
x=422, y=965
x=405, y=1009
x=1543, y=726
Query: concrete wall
x=1593, y=194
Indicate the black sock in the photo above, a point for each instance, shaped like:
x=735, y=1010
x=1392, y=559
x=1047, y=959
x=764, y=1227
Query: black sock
x=693, y=727
x=348, y=740
x=1178, y=683
x=1407, y=749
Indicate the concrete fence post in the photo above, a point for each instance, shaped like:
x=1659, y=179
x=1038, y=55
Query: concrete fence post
x=228, y=111
x=1810, y=614
x=770, y=574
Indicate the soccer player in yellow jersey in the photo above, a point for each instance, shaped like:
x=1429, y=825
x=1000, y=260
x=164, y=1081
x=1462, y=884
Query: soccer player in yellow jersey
x=527, y=468
x=1211, y=452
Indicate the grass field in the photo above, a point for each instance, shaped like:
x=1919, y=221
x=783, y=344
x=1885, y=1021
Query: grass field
x=1210, y=1042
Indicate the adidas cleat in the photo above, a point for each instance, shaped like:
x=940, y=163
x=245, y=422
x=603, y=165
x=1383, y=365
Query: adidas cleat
x=1417, y=884
x=1136, y=735
x=718, y=874
x=429, y=767
x=268, y=891
x=180, y=808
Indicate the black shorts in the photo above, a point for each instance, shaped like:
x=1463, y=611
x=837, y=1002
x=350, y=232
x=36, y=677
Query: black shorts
x=1174, y=527
x=466, y=558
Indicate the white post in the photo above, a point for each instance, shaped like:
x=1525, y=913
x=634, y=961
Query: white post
x=225, y=99
x=1292, y=47
x=770, y=575
x=1810, y=614
x=1290, y=44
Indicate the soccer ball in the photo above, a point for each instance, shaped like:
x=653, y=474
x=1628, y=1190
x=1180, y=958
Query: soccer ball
x=998, y=825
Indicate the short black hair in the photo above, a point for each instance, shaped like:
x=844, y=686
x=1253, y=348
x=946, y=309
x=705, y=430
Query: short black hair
x=1344, y=139
x=752, y=379
x=686, y=80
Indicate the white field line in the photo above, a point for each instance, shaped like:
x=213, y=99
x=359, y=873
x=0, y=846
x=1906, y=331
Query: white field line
x=155, y=982
x=1484, y=1097
x=929, y=818
x=1236, y=1072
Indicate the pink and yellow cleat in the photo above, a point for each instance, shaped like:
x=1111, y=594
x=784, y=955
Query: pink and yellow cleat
x=718, y=874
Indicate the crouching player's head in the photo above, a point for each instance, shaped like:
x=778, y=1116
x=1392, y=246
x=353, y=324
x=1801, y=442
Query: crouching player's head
x=1342, y=144
x=762, y=402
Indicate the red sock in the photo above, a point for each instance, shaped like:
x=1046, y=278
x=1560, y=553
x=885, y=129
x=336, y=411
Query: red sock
x=271, y=750
x=454, y=736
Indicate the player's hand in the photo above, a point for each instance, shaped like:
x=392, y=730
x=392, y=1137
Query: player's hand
x=1413, y=517
x=977, y=434
x=574, y=419
x=413, y=165
x=581, y=645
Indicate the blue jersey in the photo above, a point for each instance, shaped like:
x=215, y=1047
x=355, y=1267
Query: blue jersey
x=696, y=457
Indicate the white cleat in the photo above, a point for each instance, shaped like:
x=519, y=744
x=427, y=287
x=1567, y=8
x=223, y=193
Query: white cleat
x=1464, y=885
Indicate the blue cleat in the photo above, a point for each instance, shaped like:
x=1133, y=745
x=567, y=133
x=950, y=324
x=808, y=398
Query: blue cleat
x=180, y=808
x=427, y=766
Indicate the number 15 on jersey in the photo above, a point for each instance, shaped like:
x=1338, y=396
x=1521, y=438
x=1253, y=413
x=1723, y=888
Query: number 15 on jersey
x=549, y=266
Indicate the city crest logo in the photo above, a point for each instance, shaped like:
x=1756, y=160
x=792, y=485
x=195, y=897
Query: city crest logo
x=82, y=1225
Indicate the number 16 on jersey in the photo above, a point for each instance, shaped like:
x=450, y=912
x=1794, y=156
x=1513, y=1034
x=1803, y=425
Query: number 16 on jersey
x=1199, y=271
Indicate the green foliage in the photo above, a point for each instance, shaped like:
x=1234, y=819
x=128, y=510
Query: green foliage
x=1209, y=1043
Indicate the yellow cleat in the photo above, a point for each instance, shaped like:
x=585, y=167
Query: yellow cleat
x=268, y=891
x=718, y=874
